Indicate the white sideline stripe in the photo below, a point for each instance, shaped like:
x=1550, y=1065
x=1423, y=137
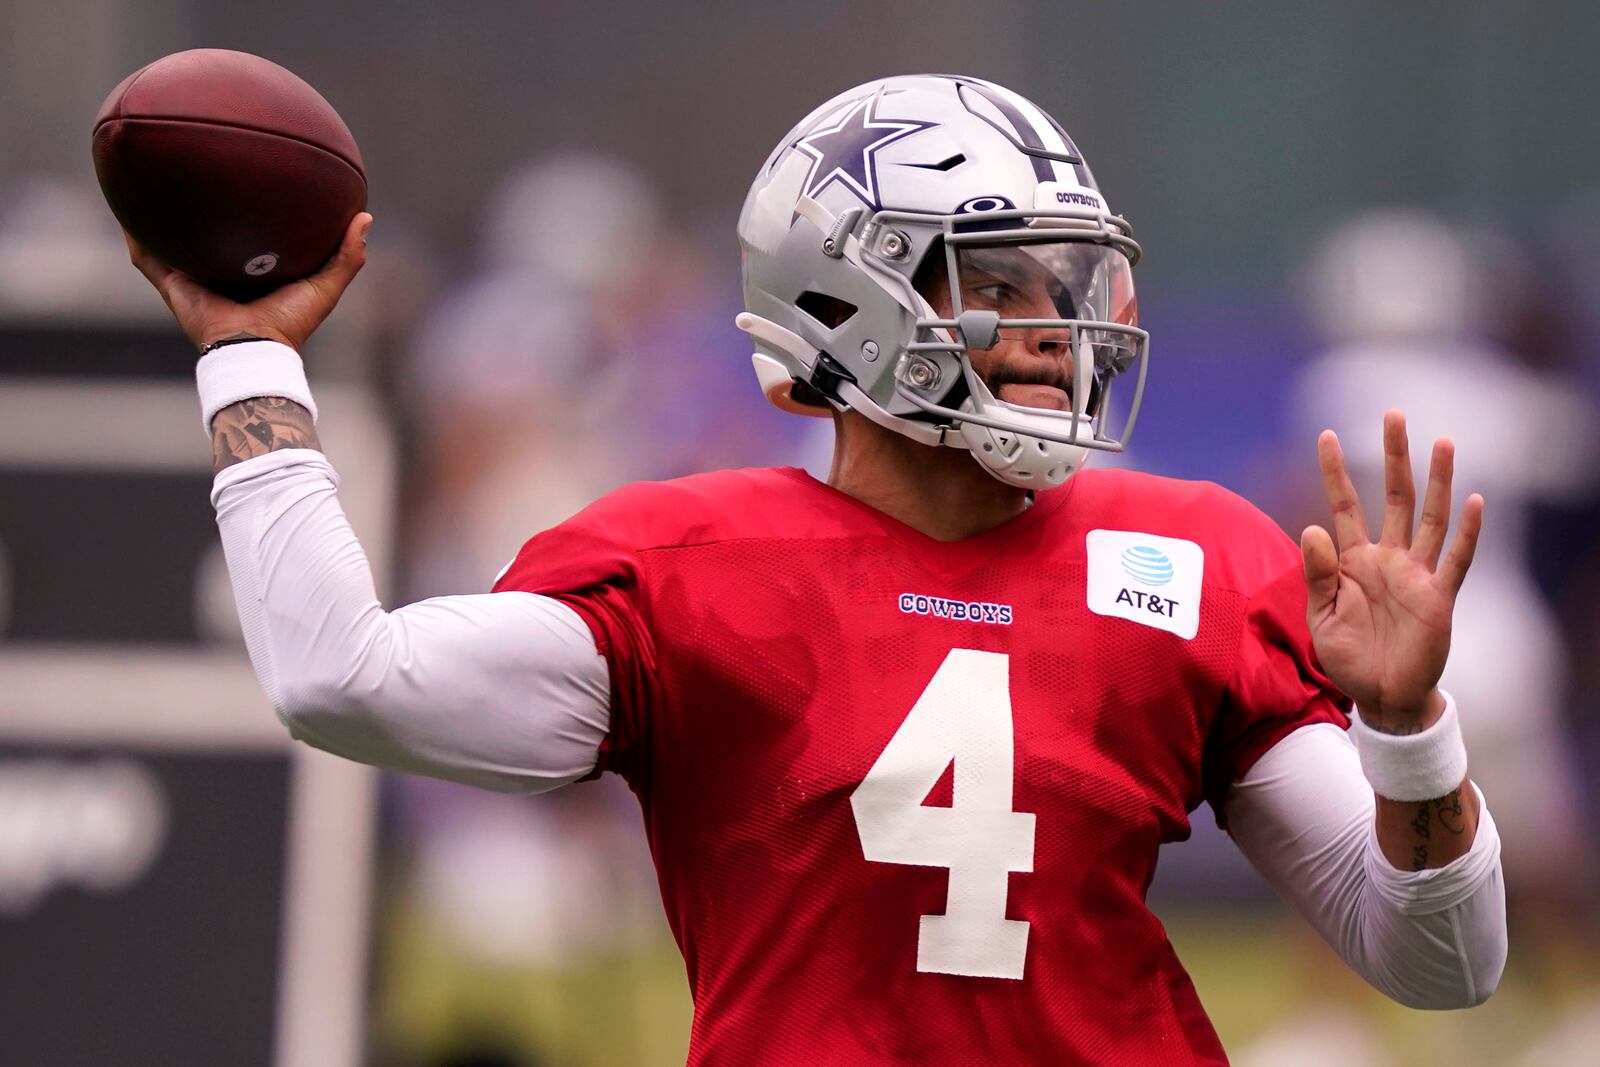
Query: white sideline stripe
x=141, y=425
x=322, y=1009
x=132, y=696
x=149, y=425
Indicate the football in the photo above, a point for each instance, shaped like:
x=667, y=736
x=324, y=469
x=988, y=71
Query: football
x=228, y=168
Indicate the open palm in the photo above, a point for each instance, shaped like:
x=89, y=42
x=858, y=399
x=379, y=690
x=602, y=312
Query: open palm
x=1380, y=612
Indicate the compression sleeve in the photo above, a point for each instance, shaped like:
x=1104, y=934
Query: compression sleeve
x=501, y=690
x=1303, y=816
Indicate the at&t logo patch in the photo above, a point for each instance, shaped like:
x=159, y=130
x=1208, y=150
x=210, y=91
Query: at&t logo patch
x=1150, y=580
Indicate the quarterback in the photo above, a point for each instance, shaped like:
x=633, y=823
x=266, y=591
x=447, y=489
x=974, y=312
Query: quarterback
x=907, y=742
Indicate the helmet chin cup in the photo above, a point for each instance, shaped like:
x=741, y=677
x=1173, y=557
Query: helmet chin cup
x=1013, y=455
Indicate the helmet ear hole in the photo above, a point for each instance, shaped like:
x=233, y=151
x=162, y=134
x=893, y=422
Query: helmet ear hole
x=829, y=311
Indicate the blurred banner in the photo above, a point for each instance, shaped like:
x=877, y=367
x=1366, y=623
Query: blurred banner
x=179, y=883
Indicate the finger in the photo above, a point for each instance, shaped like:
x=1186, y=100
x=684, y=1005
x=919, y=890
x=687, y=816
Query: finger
x=1321, y=561
x=339, y=271
x=1348, y=522
x=1435, y=504
x=1400, y=491
x=1453, y=571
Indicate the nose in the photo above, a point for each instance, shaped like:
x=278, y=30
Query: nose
x=1049, y=342
x=1043, y=343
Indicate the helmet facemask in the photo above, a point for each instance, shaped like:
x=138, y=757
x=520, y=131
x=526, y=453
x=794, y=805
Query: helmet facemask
x=1031, y=318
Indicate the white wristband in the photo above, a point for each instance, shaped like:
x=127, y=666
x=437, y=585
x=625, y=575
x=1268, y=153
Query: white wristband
x=1413, y=767
x=250, y=369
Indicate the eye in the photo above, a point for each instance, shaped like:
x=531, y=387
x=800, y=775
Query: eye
x=994, y=294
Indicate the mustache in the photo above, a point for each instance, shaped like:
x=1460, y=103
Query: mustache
x=1058, y=375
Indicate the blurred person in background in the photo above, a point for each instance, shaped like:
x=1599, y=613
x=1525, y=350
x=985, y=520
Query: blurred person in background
x=1558, y=329
x=524, y=384
x=519, y=378
x=1412, y=311
x=1552, y=328
x=526, y=377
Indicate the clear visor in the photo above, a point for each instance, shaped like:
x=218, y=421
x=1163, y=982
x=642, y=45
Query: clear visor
x=1059, y=302
x=1060, y=280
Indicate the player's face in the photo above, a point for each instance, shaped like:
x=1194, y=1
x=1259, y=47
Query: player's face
x=1033, y=366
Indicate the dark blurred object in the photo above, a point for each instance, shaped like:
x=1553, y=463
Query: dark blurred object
x=105, y=532
x=229, y=168
x=483, y=1052
x=55, y=348
x=140, y=905
x=101, y=556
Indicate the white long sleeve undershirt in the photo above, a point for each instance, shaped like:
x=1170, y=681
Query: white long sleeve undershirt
x=507, y=691
x=501, y=690
x=1304, y=817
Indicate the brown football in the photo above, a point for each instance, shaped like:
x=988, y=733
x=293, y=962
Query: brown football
x=228, y=168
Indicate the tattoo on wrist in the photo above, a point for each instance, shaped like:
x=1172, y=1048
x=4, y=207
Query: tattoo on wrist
x=1451, y=813
x=257, y=426
x=1445, y=812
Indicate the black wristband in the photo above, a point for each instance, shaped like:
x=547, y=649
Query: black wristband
x=236, y=340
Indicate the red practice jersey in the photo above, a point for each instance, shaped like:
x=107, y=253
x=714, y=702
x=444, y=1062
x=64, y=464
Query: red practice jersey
x=905, y=797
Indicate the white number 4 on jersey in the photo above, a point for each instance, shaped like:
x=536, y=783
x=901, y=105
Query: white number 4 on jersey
x=963, y=715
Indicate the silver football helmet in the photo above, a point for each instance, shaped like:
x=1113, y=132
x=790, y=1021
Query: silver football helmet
x=911, y=221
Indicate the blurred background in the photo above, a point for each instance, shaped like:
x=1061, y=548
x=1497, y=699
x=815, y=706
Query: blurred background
x=1345, y=207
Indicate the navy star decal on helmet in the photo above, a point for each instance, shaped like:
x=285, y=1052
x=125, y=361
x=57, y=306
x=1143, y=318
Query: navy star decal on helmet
x=845, y=149
x=937, y=184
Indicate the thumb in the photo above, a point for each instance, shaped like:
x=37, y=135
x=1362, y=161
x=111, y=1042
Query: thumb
x=339, y=271
x=1321, y=561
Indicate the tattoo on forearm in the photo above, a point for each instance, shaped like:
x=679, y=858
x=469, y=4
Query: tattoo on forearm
x=1446, y=812
x=255, y=427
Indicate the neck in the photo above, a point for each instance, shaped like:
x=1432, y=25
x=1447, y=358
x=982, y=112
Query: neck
x=940, y=492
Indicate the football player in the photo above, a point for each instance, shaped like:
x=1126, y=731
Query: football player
x=908, y=741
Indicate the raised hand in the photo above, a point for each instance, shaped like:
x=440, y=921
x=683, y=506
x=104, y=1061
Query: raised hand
x=288, y=314
x=1380, y=611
